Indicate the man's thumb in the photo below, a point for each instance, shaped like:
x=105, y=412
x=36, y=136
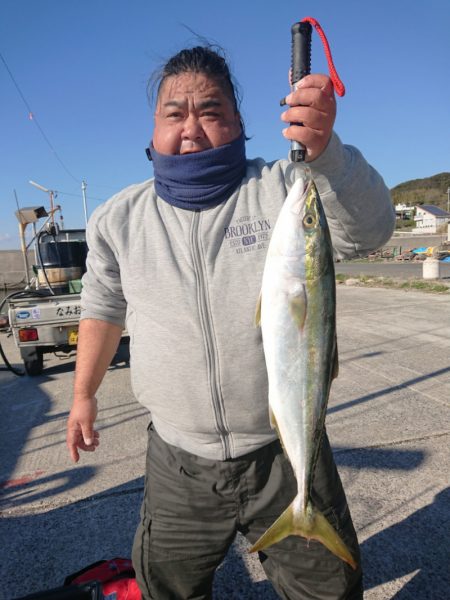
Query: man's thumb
x=88, y=434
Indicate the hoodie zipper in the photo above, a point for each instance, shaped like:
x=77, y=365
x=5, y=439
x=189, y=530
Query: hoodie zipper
x=208, y=335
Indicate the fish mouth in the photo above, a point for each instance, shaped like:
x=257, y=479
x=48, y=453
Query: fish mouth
x=299, y=193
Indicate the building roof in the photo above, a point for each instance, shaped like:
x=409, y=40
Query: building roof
x=434, y=210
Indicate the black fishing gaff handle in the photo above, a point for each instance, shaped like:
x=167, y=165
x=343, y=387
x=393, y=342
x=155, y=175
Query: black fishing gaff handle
x=300, y=66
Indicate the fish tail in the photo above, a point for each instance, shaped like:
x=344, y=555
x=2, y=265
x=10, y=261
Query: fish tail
x=310, y=524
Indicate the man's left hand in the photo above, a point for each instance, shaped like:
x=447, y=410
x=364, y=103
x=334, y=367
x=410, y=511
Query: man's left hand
x=313, y=104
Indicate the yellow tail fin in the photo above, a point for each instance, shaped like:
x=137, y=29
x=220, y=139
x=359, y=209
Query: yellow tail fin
x=310, y=524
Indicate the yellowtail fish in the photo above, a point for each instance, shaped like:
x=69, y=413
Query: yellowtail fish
x=297, y=314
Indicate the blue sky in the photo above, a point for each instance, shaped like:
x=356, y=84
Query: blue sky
x=83, y=67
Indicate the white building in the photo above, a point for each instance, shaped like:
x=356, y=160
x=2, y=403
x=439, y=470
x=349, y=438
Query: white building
x=429, y=219
x=402, y=211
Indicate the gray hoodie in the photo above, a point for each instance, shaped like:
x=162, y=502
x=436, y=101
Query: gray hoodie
x=186, y=283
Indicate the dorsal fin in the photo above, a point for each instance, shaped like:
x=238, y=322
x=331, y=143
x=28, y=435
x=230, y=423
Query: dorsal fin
x=335, y=369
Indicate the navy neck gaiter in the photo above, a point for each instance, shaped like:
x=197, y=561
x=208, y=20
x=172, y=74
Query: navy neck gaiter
x=200, y=179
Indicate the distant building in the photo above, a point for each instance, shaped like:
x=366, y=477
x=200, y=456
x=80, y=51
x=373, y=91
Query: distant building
x=429, y=218
x=404, y=212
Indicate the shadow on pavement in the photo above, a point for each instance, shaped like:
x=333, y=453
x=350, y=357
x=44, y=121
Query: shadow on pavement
x=18, y=420
x=418, y=543
x=120, y=360
x=43, y=548
x=378, y=458
x=387, y=390
x=62, y=541
x=23, y=491
x=387, y=345
x=22, y=415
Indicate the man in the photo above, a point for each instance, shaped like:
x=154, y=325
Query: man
x=179, y=260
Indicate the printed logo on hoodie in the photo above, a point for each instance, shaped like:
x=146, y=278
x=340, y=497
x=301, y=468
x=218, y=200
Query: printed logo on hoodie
x=248, y=233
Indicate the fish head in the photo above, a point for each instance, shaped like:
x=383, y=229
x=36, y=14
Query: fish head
x=317, y=240
x=287, y=240
x=301, y=236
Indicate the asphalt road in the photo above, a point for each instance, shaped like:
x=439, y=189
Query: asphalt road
x=392, y=269
x=388, y=422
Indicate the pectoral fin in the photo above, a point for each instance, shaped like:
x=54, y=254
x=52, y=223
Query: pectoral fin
x=258, y=312
x=298, y=307
x=273, y=421
x=274, y=425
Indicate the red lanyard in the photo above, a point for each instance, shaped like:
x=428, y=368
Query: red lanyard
x=337, y=83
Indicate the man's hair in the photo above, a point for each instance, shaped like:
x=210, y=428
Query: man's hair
x=209, y=60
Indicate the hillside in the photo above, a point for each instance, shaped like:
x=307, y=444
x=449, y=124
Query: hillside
x=430, y=190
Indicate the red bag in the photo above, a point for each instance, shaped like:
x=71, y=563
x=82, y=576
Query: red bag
x=116, y=578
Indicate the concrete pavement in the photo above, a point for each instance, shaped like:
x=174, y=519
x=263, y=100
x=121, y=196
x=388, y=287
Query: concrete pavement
x=388, y=422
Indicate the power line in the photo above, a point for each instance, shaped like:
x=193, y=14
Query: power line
x=36, y=122
x=78, y=195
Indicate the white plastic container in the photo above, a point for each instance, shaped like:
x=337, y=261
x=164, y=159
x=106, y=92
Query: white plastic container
x=431, y=268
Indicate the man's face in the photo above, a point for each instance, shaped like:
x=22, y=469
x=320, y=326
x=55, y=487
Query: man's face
x=193, y=113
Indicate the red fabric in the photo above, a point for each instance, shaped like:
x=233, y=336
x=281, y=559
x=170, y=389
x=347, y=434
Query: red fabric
x=115, y=576
x=125, y=589
x=337, y=83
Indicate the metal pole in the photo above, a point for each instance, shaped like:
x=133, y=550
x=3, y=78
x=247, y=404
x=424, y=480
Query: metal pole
x=35, y=235
x=51, y=194
x=23, y=245
x=83, y=191
x=448, y=210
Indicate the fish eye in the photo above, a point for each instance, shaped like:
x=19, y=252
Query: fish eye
x=308, y=221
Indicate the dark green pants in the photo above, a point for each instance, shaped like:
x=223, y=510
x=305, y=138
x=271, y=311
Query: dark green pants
x=193, y=508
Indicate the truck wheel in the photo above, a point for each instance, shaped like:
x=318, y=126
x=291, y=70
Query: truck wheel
x=33, y=360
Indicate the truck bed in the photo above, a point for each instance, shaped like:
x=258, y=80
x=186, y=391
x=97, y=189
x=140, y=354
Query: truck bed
x=55, y=318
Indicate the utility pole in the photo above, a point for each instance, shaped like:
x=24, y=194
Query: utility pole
x=83, y=191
